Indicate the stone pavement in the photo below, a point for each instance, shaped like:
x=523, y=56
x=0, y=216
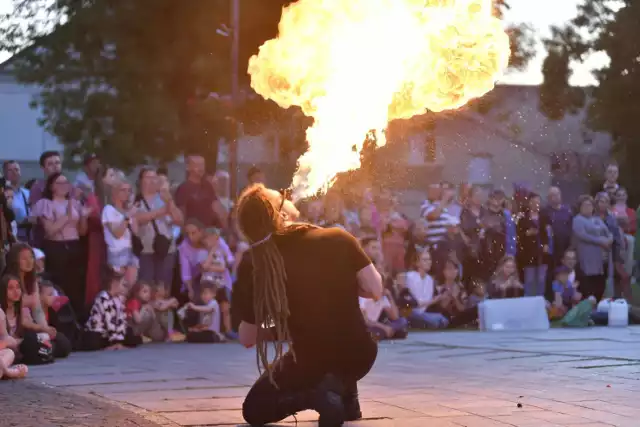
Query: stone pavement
x=586, y=377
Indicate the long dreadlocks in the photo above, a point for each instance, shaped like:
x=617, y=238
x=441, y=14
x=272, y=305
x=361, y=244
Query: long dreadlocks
x=259, y=219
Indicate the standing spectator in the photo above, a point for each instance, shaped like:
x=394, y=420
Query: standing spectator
x=452, y=246
x=434, y=194
x=86, y=178
x=417, y=242
x=621, y=209
x=611, y=185
x=96, y=250
x=592, y=241
x=500, y=237
x=614, y=265
x=20, y=206
x=156, y=213
x=393, y=243
x=333, y=211
x=197, y=198
x=120, y=225
x=636, y=252
x=440, y=213
x=559, y=217
x=533, y=246
x=471, y=226
x=64, y=221
x=50, y=163
x=223, y=190
x=255, y=176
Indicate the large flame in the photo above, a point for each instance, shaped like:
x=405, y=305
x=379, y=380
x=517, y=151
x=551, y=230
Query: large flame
x=354, y=65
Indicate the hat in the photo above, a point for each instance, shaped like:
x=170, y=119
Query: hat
x=89, y=157
x=38, y=254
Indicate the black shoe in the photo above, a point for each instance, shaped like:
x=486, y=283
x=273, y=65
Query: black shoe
x=351, y=403
x=327, y=401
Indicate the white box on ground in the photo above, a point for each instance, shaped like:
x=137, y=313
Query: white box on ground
x=513, y=314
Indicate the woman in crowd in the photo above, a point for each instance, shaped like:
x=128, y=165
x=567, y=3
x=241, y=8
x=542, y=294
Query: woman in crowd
x=621, y=209
x=592, y=241
x=393, y=243
x=533, y=247
x=451, y=299
x=21, y=265
x=505, y=282
x=120, y=227
x=64, y=220
x=9, y=346
x=156, y=214
x=421, y=287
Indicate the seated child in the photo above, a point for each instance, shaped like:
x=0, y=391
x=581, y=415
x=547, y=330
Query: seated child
x=51, y=303
x=218, y=258
x=141, y=315
x=164, y=307
x=107, y=328
x=394, y=327
x=208, y=329
x=505, y=282
x=7, y=355
x=565, y=292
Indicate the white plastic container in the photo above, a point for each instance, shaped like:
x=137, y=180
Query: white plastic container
x=619, y=313
x=513, y=314
x=603, y=305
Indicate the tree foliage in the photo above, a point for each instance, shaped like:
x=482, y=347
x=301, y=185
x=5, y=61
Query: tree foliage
x=132, y=80
x=612, y=27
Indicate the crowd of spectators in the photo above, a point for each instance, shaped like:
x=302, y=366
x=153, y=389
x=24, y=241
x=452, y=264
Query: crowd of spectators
x=104, y=263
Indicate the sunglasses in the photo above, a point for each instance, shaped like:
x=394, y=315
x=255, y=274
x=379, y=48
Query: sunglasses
x=286, y=194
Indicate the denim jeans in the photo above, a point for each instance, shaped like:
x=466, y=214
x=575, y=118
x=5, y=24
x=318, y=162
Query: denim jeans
x=425, y=320
x=535, y=279
x=156, y=269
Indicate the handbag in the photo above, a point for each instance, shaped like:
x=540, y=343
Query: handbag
x=161, y=243
x=136, y=243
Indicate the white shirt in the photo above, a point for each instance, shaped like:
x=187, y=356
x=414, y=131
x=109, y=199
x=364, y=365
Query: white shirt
x=373, y=309
x=212, y=319
x=110, y=215
x=421, y=288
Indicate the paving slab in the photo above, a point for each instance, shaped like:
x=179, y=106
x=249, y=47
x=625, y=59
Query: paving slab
x=560, y=377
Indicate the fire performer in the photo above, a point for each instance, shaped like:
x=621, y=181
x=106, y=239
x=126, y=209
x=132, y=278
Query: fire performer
x=302, y=282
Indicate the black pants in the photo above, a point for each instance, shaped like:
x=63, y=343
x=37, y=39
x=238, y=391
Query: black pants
x=202, y=337
x=593, y=285
x=32, y=351
x=94, y=341
x=66, y=262
x=264, y=402
x=61, y=346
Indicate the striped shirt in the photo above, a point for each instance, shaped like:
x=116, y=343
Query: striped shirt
x=437, y=229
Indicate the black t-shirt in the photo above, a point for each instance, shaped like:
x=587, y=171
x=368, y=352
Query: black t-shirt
x=322, y=290
x=197, y=201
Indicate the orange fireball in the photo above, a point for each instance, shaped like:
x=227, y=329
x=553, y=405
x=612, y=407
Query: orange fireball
x=354, y=65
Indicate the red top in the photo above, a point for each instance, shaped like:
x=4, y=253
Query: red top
x=132, y=306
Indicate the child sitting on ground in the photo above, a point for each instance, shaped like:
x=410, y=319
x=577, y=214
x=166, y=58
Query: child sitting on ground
x=164, y=307
x=565, y=292
x=7, y=355
x=141, y=314
x=505, y=282
x=51, y=303
x=208, y=329
x=107, y=328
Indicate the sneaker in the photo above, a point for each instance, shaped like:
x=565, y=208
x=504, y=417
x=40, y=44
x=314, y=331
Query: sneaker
x=232, y=336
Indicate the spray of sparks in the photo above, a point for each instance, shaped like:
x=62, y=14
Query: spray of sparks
x=355, y=65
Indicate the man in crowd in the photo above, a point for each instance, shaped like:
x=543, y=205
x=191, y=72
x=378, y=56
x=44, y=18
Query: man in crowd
x=197, y=198
x=86, y=178
x=50, y=163
x=560, y=219
x=440, y=212
x=499, y=233
x=20, y=206
x=255, y=176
